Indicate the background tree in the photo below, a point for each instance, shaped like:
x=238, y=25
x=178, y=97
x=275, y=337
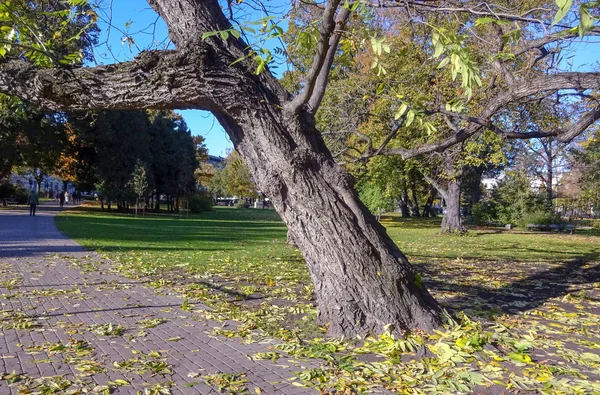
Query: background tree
x=237, y=177
x=204, y=174
x=108, y=145
x=139, y=182
x=33, y=141
x=586, y=169
x=10, y=119
x=47, y=33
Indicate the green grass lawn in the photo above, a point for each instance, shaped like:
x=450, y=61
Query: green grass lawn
x=526, y=305
x=248, y=245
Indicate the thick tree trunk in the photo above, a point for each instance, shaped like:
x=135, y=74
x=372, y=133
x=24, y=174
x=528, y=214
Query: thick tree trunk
x=157, y=202
x=549, y=186
x=414, y=204
x=404, y=204
x=452, y=221
x=428, y=208
x=362, y=280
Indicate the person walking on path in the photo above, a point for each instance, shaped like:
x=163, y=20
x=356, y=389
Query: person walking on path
x=32, y=201
x=61, y=198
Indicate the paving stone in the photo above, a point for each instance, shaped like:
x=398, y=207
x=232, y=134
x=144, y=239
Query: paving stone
x=34, y=251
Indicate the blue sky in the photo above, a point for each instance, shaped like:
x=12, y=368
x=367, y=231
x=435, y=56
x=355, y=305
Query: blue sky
x=138, y=19
x=147, y=32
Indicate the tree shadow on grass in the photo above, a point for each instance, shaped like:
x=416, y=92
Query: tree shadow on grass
x=411, y=223
x=513, y=252
x=520, y=293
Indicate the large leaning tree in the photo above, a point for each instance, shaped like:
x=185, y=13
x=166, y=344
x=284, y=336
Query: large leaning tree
x=363, y=282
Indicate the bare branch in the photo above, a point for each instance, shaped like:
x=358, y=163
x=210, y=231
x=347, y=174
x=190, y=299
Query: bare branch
x=481, y=9
x=321, y=81
x=475, y=120
x=564, y=135
x=326, y=31
x=442, y=191
x=552, y=38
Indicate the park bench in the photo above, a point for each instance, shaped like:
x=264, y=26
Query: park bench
x=496, y=224
x=552, y=227
x=563, y=228
x=8, y=202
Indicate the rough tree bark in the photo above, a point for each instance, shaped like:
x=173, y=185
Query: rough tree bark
x=448, y=184
x=404, y=204
x=428, y=207
x=452, y=221
x=549, y=157
x=362, y=280
x=414, y=206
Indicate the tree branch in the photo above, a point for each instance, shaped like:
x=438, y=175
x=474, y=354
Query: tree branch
x=564, y=135
x=480, y=9
x=157, y=79
x=322, y=79
x=442, y=191
x=552, y=38
x=552, y=82
x=326, y=32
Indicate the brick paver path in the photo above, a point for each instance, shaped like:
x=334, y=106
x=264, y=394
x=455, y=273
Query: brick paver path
x=53, y=298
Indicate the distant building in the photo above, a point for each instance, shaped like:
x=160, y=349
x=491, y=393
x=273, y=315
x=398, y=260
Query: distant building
x=50, y=186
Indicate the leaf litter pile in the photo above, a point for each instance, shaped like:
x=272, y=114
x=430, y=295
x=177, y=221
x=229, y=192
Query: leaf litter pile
x=523, y=310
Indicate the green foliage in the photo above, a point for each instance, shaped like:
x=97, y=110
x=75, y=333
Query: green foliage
x=462, y=61
x=563, y=7
x=511, y=201
x=234, y=180
x=586, y=174
x=16, y=192
x=540, y=217
x=262, y=30
x=485, y=211
x=375, y=198
x=47, y=33
x=200, y=203
x=382, y=181
x=139, y=179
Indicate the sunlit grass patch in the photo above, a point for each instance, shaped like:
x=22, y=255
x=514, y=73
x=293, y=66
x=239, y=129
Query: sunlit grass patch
x=525, y=307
